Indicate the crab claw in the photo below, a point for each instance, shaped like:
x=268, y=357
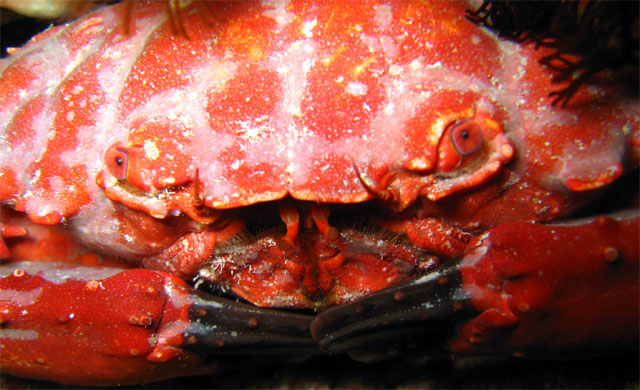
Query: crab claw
x=128, y=326
x=426, y=307
x=521, y=289
x=220, y=326
x=563, y=290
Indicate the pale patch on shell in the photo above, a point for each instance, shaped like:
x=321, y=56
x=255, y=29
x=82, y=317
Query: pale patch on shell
x=383, y=15
x=18, y=298
x=277, y=10
x=19, y=334
x=58, y=273
x=307, y=28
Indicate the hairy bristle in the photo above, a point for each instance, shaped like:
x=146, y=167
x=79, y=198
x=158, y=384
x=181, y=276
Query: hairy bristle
x=602, y=34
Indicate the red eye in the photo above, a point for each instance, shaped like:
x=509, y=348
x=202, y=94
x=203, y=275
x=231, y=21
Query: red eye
x=466, y=138
x=117, y=161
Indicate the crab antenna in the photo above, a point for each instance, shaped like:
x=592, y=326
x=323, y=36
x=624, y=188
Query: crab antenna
x=320, y=215
x=389, y=195
x=126, y=17
x=291, y=218
x=177, y=26
x=206, y=11
x=195, y=188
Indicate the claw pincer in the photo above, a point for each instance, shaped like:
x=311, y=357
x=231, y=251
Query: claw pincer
x=108, y=326
x=521, y=289
x=541, y=289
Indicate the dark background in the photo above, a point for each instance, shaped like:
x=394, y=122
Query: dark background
x=340, y=372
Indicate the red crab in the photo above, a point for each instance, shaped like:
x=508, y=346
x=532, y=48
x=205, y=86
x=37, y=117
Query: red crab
x=389, y=164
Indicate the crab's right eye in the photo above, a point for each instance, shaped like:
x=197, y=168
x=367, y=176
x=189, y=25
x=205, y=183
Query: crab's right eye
x=117, y=161
x=466, y=138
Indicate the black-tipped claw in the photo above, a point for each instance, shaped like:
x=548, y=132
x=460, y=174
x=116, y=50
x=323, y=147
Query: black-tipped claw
x=223, y=327
x=424, y=308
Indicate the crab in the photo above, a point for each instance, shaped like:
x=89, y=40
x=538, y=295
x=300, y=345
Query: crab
x=390, y=167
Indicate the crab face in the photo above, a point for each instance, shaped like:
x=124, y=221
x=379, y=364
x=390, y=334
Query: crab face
x=237, y=130
x=459, y=150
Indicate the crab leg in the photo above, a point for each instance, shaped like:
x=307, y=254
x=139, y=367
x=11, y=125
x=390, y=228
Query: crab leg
x=521, y=289
x=82, y=325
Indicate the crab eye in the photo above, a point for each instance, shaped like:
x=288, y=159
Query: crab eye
x=459, y=143
x=466, y=138
x=117, y=161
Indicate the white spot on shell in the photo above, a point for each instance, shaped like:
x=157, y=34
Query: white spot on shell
x=356, y=88
x=307, y=28
x=151, y=150
x=383, y=15
x=21, y=298
x=18, y=334
x=395, y=70
x=168, y=181
x=416, y=65
x=77, y=89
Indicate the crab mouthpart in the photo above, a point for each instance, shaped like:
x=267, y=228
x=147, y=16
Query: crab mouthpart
x=314, y=263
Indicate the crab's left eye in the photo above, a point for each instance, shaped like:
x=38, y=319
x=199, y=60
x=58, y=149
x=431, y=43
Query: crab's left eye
x=466, y=138
x=460, y=142
x=117, y=161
